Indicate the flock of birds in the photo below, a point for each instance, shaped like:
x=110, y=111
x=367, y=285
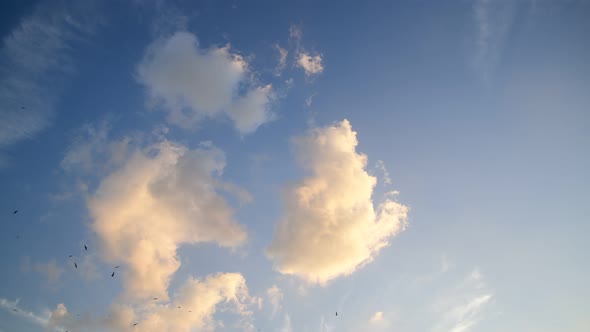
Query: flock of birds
x=112, y=275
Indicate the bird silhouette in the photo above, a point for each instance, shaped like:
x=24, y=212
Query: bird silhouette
x=14, y=309
x=336, y=313
x=134, y=324
x=116, y=267
x=85, y=248
x=15, y=212
x=75, y=264
x=178, y=307
x=70, y=256
x=155, y=298
x=112, y=274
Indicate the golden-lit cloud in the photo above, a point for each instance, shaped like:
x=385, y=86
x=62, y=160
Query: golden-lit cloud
x=192, y=307
x=161, y=197
x=311, y=64
x=330, y=226
x=275, y=298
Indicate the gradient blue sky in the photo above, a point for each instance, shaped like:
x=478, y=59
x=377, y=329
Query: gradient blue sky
x=174, y=140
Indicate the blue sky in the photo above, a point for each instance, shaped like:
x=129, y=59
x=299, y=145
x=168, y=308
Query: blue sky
x=413, y=166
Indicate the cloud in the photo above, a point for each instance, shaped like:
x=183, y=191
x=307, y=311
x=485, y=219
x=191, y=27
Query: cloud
x=190, y=83
x=493, y=19
x=91, y=151
x=381, y=166
x=287, y=327
x=34, y=59
x=295, y=32
x=461, y=310
x=275, y=297
x=252, y=110
x=283, y=53
x=330, y=227
x=49, y=270
x=311, y=64
x=13, y=308
x=376, y=318
x=192, y=308
x=162, y=196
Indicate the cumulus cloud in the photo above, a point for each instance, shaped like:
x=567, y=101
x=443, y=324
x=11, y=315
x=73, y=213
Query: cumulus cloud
x=50, y=270
x=162, y=196
x=191, y=83
x=193, y=307
x=34, y=59
x=330, y=226
x=252, y=110
x=311, y=64
x=275, y=297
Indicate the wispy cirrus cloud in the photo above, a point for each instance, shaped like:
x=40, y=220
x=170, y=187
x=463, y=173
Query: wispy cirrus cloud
x=15, y=309
x=494, y=20
x=462, y=308
x=50, y=270
x=34, y=60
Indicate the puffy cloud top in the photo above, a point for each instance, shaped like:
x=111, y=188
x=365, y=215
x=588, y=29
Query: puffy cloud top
x=330, y=226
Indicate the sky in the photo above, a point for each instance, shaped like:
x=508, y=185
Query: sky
x=295, y=166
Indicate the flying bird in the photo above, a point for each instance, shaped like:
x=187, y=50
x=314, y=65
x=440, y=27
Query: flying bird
x=22, y=107
x=14, y=309
x=112, y=274
x=116, y=267
x=85, y=248
x=336, y=313
x=15, y=212
x=75, y=264
x=178, y=307
x=134, y=324
x=155, y=298
x=70, y=256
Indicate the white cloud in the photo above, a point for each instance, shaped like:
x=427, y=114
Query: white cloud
x=462, y=309
x=252, y=110
x=34, y=60
x=283, y=53
x=13, y=308
x=191, y=83
x=50, y=270
x=161, y=197
x=494, y=20
x=275, y=297
x=92, y=151
x=311, y=64
x=330, y=227
x=287, y=327
x=381, y=166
